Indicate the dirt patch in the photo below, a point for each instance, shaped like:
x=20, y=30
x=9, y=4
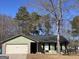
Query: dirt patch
x=50, y=56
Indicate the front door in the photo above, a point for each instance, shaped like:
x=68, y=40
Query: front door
x=33, y=47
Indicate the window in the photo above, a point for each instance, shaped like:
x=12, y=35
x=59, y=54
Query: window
x=52, y=47
x=46, y=47
x=63, y=47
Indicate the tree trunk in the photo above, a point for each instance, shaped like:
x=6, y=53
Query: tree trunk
x=58, y=37
x=59, y=18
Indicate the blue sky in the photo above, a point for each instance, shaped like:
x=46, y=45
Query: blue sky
x=10, y=7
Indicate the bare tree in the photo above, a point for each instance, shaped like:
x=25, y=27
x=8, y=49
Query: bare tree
x=8, y=27
x=50, y=7
x=56, y=9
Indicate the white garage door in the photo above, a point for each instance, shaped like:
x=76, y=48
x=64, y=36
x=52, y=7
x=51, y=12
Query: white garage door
x=16, y=49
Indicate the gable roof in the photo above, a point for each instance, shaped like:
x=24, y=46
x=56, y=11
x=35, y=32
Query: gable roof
x=37, y=38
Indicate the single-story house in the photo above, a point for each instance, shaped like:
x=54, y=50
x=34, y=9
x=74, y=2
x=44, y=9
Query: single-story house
x=25, y=44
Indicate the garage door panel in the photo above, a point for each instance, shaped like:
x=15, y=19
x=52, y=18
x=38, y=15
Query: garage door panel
x=16, y=49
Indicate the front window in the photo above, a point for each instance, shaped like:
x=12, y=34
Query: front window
x=52, y=47
x=63, y=47
x=46, y=47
